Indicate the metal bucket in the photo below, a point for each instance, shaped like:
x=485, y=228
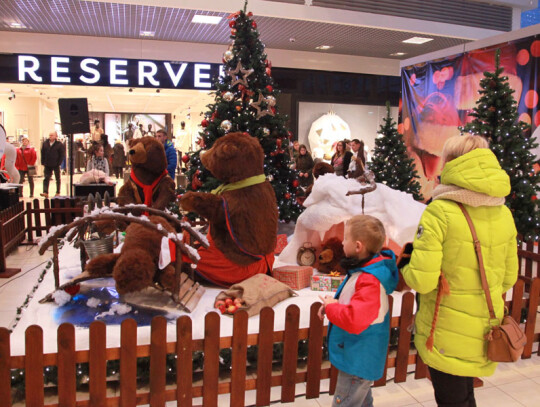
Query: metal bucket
x=96, y=247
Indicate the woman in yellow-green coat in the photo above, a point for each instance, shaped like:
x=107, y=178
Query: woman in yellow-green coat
x=453, y=346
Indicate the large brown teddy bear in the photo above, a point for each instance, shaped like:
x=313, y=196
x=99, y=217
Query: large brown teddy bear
x=136, y=266
x=149, y=182
x=242, y=212
x=331, y=255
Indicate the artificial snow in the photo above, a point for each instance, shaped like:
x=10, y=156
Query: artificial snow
x=118, y=308
x=93, y=302
x=61, y=297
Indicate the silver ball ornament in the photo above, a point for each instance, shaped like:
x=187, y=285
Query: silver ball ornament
x=226, y=125
x=270, y=177
x=266, y=131
x=228, y=96
x=271, y=100
x=228, y=55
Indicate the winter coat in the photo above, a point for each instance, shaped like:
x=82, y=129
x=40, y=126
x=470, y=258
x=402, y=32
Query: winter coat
x=170, y=152
x=304, y=164
x=341, y=170
x=52, y=156
x=359, y=328
x=444, y=244
x=30, y=158
x=119, y=155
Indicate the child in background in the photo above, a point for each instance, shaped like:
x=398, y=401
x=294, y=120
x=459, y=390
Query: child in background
x=359, y=328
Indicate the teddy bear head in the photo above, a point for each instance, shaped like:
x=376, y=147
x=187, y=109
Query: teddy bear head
x=148, y=154
x=234, y=157
x=331, y=255
x=322, y=168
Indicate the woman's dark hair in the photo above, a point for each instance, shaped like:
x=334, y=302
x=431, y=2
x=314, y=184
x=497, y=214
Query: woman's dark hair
x=301, y=146
x=104, y=139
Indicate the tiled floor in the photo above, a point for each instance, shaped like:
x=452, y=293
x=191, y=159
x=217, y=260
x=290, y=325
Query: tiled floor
x=516, y=384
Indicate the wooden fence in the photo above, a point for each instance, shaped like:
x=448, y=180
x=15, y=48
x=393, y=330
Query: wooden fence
x=158, y=390
x=11, y=235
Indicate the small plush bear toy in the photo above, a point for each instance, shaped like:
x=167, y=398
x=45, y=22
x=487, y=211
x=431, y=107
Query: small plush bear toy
x=242, y=212
x=330, y=257
x=149, y=183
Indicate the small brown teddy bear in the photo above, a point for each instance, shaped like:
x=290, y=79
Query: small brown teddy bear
x=242, y=212
x=331, y=255
x=136, y=266
x=319, y=169
x=149, y=182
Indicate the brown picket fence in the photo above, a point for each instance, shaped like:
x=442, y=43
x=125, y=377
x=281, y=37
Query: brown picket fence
x=158, y=391
x=11, y=235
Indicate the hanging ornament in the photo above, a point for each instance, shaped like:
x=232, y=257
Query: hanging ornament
x=228, y=96
x=226, y=125
x=492, y=109
x=246, y=133
x=204, y=123
x=234, y=74
x=270, y=100
x=250, y=14
x=289, y=134
x=269, y=88
x=287, y=196
x=238, y=108
x=257, y=106
x=266, y=131
x=254, y=24
x=214, y=115
x=232, y=23
x=233, y=31
x=295, y=183
x=228, y=56
x=185, y=158
x=278, y=143
x=268, y=71
x=492, y=84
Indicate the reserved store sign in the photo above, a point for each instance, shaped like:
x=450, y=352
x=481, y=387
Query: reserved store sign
x=90, y=71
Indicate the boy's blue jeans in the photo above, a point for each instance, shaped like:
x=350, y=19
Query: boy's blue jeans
x=352, y=391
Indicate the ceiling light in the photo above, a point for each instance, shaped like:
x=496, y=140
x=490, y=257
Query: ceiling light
x=324, y=47
x=397, y=54
x=197, y=18
x=418, y=40
x=147, y=33
x=17, y=25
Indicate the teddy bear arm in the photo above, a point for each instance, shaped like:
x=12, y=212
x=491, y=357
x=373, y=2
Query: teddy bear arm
x=209, y=206
x=165, y=195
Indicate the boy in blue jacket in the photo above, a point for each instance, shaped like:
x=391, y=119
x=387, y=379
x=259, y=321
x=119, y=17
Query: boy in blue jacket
x=359, y=328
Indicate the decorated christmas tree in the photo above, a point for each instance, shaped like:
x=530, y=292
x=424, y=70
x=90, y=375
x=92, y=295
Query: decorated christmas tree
x=496, y=118
x=390, y=162
x=245, y=101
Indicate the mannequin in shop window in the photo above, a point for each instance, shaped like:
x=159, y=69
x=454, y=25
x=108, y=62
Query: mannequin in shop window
x=179, y=142
x=97, y=131
x=150, y=133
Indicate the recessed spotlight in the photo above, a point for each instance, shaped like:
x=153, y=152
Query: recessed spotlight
x=158, y=90
x=147, y=33
x=197, y=18
x=397, y=54
x=131, y=89
x=324, y=47
x=17, y=25
x=418, y=40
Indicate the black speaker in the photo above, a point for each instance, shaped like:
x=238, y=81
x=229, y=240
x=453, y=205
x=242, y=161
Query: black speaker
x=74, y=115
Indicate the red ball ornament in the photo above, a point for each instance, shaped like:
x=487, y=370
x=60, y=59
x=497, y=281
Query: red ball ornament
x=278, y=143
x=185, y=158
x=72, y=289
x=268, y=71
x=232, y=23
x=295, y=183
x=273, y=109
x=289, y=134
x=269, y=88
x=238, y=108
x=241, y=87
x=179, y=196
x=254, y=24
x=233, y=31
x=250, y=14
x=245, y=133
x=287, y=196
x=533, y=198
x=204, y=123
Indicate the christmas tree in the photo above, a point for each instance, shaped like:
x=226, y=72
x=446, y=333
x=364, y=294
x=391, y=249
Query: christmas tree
x=496, y=118
x=390, y=162
x=245, y=101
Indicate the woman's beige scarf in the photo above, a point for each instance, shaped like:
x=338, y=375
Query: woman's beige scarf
x=471, y=198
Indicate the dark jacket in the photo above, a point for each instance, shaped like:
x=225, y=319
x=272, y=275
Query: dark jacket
x=346, y=161
x=119, y=155
x=52, y=156
x=304, y=164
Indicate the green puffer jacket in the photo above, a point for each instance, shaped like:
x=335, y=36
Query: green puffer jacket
x=444, y=243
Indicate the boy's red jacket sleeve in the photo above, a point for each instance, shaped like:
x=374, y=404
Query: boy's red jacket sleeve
x=364, y=307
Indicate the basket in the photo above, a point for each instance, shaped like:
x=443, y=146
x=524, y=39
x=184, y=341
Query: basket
x=101, y=246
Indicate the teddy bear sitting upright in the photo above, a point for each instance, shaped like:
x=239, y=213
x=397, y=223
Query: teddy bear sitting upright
x=149, y=183
x=242, y=212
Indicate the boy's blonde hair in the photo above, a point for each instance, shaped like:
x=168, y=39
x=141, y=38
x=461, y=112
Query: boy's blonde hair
x=456, y=146
x=369, y=230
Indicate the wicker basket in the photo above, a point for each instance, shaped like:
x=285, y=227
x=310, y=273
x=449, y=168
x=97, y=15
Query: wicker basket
x=96, y=247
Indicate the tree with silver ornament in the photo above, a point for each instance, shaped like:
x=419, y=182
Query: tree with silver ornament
x=496, y=118
x=246, y=101
x=390, y=162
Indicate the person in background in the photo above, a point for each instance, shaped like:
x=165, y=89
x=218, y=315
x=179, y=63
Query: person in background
x=149, y=133
x=118, y=159
x=52, y=155
x=170, y=152
x=128, y=134
x=108, y=151
x=79, y=151
x=97, y=131
x=141, y=129
x=138, y=133
x=26, y=155
x=453, y=316
x=341, y=159
x=358, y=159
x=359, y=322
x=98, y=161
x=295, y=150
x=304, y=166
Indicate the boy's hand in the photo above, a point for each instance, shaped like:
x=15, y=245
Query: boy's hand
x=327, y=299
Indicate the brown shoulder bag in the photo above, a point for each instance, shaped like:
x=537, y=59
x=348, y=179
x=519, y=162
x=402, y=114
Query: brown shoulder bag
x=505, y=340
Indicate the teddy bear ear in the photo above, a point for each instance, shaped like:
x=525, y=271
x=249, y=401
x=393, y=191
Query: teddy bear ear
x=229, y=150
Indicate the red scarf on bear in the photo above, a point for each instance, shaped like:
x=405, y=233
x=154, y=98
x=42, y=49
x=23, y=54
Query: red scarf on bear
x=148, y=190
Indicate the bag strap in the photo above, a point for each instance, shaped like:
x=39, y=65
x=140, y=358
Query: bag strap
x=478, y=250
